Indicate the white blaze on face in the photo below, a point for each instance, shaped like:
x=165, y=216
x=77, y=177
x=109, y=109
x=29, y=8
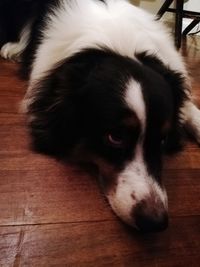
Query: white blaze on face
x=134, y=183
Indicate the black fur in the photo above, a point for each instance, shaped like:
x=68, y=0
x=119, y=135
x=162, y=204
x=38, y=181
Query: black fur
x=177, y=83
x=80, y=101
x=85, y=92
x=163, y=101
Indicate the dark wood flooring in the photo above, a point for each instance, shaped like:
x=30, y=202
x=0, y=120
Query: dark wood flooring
x=55, y=215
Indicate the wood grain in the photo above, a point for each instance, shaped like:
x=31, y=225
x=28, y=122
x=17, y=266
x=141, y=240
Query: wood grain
x=99, y=244
x=53, y=214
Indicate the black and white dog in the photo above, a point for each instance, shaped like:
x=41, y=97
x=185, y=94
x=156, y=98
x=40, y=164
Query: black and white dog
x=106, y=86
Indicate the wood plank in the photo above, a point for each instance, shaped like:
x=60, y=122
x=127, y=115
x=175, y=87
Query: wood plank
x=100, y=244
x=188, y=158
x=183, y=187
x=49, y=192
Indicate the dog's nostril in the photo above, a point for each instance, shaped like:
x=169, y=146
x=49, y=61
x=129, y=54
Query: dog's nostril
x=151, y=222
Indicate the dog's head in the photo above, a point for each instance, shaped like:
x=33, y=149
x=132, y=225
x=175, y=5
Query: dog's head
x=119, y=113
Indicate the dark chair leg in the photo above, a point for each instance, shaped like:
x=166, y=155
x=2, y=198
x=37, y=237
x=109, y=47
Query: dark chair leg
x=164, y=8
x=178, y=22
x=191, y=26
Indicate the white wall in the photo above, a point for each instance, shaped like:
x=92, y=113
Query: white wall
x=154, y=5
x=192, y=5
x=150, y=5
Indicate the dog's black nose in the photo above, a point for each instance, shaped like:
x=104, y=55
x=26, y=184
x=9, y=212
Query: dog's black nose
x=146, y=223
x=151, y=221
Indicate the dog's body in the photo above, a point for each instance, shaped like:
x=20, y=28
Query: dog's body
x=107, y=86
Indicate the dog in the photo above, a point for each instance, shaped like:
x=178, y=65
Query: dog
x=106, y=86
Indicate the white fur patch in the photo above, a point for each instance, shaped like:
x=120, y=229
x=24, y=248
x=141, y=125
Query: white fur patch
x=191, y=119
x=14, y=50
x=117, y=25
x=135, y=101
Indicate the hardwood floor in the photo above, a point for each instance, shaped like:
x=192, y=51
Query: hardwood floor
x=55, y=215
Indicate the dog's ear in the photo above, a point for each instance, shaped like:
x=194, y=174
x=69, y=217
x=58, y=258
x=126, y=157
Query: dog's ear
x=59, y=113
x=178, y=85
x=56, y=112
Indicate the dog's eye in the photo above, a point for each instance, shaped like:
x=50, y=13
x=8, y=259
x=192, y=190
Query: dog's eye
x=117, y=138
x=164, y=142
